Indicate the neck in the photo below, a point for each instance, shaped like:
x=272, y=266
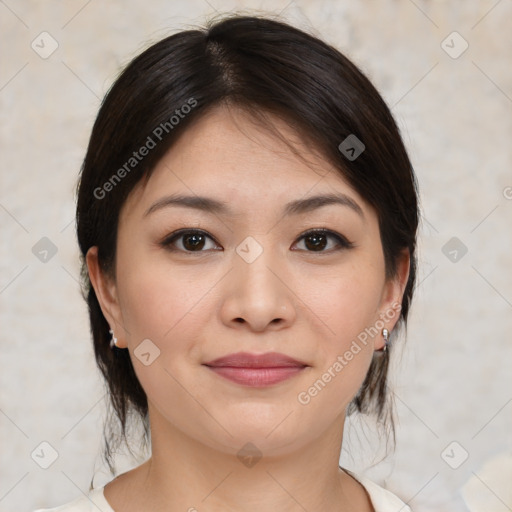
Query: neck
x=184, y=474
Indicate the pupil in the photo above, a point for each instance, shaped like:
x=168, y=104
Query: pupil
x=318, y=241
x=197, y=241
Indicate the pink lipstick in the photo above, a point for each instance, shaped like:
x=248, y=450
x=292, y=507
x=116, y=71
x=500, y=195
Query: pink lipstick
x=256, y=370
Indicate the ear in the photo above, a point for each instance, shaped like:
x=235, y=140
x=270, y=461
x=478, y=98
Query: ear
x=106, y=293
x=392, y=296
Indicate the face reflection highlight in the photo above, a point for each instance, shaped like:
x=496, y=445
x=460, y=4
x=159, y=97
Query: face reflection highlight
x=225, y=251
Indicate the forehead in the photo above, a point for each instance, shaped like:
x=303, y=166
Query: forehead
x=228, y=155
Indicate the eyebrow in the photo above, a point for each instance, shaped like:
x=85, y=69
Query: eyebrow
x=296, y=207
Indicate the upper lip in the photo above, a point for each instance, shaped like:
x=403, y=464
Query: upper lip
x=247, y=360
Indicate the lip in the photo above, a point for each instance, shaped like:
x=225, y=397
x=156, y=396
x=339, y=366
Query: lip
x=256, y=370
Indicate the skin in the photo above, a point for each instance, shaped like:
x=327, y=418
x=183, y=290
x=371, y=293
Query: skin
x=198, y=306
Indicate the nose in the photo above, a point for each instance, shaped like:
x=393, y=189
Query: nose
x=258, y=296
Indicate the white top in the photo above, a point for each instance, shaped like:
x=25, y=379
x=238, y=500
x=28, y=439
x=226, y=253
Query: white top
x=382, y=500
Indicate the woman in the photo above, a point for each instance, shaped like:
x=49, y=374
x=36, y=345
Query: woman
x=247, y=216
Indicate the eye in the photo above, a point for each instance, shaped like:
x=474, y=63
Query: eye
x=188, y=240
x=316, y=240
x=195, y=240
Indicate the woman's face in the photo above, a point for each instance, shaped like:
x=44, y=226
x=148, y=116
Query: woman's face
x=244, y=277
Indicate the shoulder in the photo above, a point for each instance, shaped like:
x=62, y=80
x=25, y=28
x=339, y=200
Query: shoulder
x=382, y=499
x=94, y=501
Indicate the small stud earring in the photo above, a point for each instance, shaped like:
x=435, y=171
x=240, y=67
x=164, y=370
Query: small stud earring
x=113, y=341
x=385, y=335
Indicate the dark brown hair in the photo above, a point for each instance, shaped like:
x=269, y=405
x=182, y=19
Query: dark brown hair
x=265, y=67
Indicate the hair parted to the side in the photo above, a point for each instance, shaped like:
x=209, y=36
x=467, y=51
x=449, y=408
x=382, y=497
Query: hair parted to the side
x=265, y=67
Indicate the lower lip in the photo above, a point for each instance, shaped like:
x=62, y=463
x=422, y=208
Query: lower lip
x=256, y=377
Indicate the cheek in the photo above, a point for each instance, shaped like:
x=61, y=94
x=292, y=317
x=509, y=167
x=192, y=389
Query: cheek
x=165, y=307
x=346, y=312
x=347, y=301
x=157, y=299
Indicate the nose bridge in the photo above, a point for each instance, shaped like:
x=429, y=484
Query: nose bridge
x=253, y=260
x=257, y=293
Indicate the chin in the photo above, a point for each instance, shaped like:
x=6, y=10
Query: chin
x=273, y=435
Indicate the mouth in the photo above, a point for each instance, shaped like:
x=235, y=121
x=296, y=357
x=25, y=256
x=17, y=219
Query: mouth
x=256, y=370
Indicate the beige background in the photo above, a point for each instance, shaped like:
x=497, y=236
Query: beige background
x=454, y=380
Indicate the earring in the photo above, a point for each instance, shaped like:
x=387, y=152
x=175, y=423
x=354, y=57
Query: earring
x=113, y=341
x=385, y=335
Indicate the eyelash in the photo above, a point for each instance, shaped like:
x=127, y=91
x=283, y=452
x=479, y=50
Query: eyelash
x=342, y=242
